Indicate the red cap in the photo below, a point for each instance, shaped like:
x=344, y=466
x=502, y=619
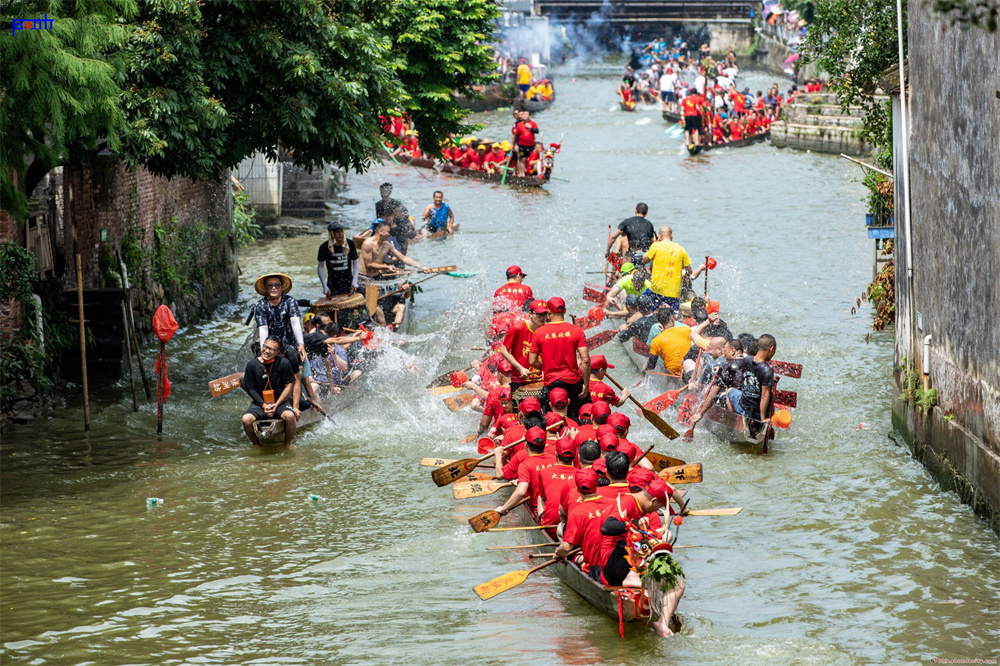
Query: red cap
x=660, y=490
x=557, y=304
x=538, y=307
x=529, y=405
x=600, y=466
x=598, y=362
x=535, y=436
x=551, y=418
x=586, y=480
x=608, y=441
x=566, y=447
x=558, y=397
x=502, y=323
x=585, y=411
x=505, y=393
x=606, y=429
x=515, y=270
x=504, y=367
x=620, y=422
x=600, y=409
x=712, y=306
x=638, y=477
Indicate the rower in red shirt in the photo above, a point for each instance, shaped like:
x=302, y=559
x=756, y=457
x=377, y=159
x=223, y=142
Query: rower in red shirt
x=476, y=160
x=584, y=520
x=587, y=454
x=524, y=137
x=599, y=367
x=514, y=294
x=517, y=345
x=560, y=351
x=693, y=126
x=559, y=404
x=614, y=569
x=528, y=480
x=637, y=479
x=617, y=464
x=556, y=479
x=494, y=159
x=736, y=130
x=501, y=324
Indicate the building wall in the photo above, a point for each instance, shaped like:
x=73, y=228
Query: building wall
x=10, y=311
x=954, y=97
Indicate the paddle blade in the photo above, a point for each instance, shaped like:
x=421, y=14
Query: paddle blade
x=371, y=298
x=715, y=512
x=457, y=402
x=224, y=385
x=501, y=584
x=682, y=474
x=487, y=520
x=467, y=440
x=688, y=434
x=660, y=424
x=786, y=398
x=661, y=462
x=587, y=322
x=443, y=269
x=480, y=476
x=435, y=462
x=452, y=472
x=601, y=338
x=477, y=489
x=793, y=370
x=594, y=293
x=439, y=390
x=463, y=274
x=661, y=402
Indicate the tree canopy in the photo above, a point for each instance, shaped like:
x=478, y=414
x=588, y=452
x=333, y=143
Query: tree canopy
x=189, y=88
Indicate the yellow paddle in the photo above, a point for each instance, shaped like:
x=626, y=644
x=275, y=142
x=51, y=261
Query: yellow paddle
x=715, y=512
x=452, y=472
x=478, y=488
x=492, y=588
x=683, y=474
x=487, y=520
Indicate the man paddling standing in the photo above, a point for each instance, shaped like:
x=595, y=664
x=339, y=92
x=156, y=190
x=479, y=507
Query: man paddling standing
x=339, y=257
x=268, y=380
x=560, y=352
x=636, y=233
x=517, y=343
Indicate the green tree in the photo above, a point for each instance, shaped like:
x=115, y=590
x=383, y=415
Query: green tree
x=59, y=89
x=855, y=42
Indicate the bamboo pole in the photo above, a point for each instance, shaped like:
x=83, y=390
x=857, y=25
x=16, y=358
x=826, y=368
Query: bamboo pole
x=83, y=344
x=128, y=355
x=159, y=388
x=127, y=288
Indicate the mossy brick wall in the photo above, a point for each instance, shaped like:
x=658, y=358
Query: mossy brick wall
x=10, y=311
x=175, y=236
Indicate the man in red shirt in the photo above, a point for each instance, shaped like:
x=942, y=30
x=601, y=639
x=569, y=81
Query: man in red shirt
x=556, y=479
x=523, y=137
x=617, y=464
x=607, y=439
x=517, y=345
x=514, y=294
x=477, y=158
x=494, y=159
x=587, y=454
x=584, y=520
x=560, y=351
x=530, y=412
x=559, y=405
x=599, y=367
x=528, y=480
x=691, y=106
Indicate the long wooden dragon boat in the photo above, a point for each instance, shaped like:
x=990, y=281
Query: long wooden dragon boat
x=425, y=163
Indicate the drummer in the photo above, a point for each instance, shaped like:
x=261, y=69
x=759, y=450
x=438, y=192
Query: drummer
x=339, y=257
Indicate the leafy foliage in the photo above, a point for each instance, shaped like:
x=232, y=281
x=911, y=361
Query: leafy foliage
x=17, y=272
x=855, y=42
x=59, y=92
x=244, y=221
x=664, y=569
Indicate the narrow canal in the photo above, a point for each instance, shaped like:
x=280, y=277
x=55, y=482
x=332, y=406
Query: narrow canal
x=845, y=552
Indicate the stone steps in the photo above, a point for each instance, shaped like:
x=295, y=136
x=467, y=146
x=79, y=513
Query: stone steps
x=819, y=138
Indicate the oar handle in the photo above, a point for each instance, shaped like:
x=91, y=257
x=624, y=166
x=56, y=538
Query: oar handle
x=408, y=285
x=554, y=560
x=644, y=454
x=622, y=388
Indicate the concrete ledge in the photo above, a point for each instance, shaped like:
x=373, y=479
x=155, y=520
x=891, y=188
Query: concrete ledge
x=821, y=139
x=958, y=460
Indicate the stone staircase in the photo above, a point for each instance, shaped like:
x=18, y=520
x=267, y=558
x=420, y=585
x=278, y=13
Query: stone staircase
x=816, y=122
x=303, y=194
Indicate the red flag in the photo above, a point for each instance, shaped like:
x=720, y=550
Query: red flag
x=164, y=323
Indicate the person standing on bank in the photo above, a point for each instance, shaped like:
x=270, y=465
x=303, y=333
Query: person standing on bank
x=338, y=259
x=268, y=380
x=559, y=350
x=634, y=234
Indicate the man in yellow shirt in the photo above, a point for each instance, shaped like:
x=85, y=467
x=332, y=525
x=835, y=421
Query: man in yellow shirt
x=673, y=343
x=523, y=78
x=670, y=264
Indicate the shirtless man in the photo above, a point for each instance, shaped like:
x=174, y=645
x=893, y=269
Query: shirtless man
x=374, y=252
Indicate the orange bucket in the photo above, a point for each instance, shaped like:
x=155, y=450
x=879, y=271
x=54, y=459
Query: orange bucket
x=782, y=418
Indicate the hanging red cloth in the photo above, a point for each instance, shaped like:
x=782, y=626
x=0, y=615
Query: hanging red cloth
x=164, y=323
x=161, y=369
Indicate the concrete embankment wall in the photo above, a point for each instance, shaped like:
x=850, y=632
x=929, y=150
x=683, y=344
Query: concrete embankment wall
x=955, y=208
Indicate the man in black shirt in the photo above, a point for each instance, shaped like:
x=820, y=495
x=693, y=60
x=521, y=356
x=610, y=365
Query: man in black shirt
x=753, y=400
x=338, y=259
x=268, y=380
x=640, y=327
x=728, y=375
x=636, y=233
x=396, y=214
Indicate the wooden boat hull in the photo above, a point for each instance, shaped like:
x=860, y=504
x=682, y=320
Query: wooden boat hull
x=634, y=606
x=422, y=163
x=535, y=105
x=742, y=143
x=436, y=235
x=673, y=118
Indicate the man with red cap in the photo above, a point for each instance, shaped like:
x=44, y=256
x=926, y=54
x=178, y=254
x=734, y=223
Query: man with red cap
x=599, y=412
x=617, y=465
x=514, y=294
x=615, y=569
x=588, y=453
x=559, y=404
x=496, y=399
x=560, y=351
x=557, y=478
x=598, y=389
x=528, y=479
x=584, y=520
x=516, y=347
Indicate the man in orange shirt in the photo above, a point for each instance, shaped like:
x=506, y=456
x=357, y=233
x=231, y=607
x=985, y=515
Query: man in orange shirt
x=560, y=351
x=514, y=294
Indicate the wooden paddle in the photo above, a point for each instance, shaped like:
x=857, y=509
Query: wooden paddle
x=438, y=390
x=537, y=556
x=644, y=454
x=457, y=402
x=662, y=462
x=715, y=512
x=480, y=476
x=445, y=379
x=682, y=474
x=521, y=529
x=586, y=322
x=522, y=547
x=467, y=440
x=662, y=401
x=371, y=298
x=793, y=370
x=224, y=385
x=443, y=269
x=487, y=520
x=601, y=338
x=492, y=588
x=452, y=472
x=441, y=462
x=650, y=416
x=478, y=488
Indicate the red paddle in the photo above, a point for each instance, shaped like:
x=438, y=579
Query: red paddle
x=661, y=402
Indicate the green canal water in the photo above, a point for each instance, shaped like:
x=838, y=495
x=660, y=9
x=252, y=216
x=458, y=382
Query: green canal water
x=845, y=553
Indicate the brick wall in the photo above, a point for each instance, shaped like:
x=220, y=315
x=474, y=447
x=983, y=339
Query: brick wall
x=175, y=236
